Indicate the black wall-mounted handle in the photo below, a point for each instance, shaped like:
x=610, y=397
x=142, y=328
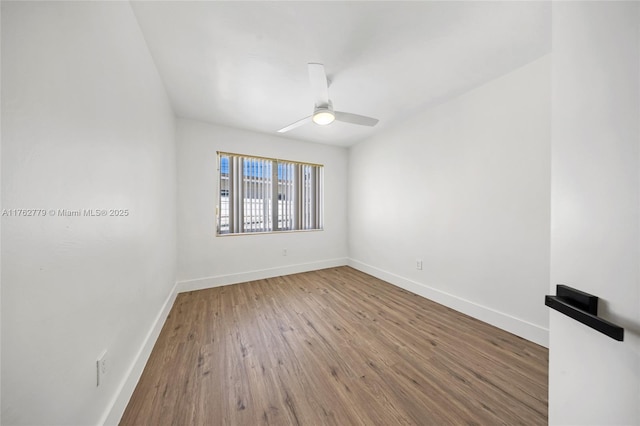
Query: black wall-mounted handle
x=582, y=307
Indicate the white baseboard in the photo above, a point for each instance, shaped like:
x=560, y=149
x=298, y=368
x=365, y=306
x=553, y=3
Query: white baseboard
x=517, y=326
x=241, y=277
x=115, y=410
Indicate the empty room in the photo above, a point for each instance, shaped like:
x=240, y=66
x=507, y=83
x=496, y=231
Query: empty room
x=320, y=213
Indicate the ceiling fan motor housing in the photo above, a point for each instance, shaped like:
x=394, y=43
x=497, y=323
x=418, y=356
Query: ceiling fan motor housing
x=323, y=115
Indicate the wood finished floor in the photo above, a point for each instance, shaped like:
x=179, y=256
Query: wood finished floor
x=334, y=347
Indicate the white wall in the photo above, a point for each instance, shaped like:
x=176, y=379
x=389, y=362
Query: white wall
x=205, y=260
x=595, y=209
x=464, y=187
x=86, y=125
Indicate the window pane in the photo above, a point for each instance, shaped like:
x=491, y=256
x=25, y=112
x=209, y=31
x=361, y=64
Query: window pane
x=285, y=196
x=257, y=195
x=265, y=195
x=223, y=213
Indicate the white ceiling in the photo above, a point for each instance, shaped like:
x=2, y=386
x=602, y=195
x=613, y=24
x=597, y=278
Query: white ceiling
x=243, y=64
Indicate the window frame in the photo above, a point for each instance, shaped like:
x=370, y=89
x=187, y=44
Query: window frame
x=305, y=190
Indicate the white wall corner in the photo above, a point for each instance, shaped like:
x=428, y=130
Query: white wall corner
x=115, y=409
x=511, y=324
x=241, y=277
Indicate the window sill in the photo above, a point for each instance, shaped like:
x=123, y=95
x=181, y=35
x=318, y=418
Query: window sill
x=268, y=232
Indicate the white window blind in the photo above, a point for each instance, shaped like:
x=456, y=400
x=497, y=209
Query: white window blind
x=268, y=195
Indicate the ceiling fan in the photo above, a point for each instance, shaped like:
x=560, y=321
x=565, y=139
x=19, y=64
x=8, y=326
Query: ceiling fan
x=323, y=112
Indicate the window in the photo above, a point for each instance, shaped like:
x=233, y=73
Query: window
x=260, y=194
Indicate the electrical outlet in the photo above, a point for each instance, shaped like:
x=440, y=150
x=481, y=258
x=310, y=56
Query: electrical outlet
x=101, y=368
x=419, y=265
x=284, y=252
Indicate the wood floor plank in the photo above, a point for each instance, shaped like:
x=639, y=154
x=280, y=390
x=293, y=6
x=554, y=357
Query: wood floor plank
x=334, y=347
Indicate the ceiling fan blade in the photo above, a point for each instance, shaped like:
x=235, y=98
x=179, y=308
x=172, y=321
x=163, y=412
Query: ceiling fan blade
x=347, y=117
x=319, y=84
x=294, y=125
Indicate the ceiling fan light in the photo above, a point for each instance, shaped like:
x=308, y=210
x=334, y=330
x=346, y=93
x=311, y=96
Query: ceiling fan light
x=323, y=117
